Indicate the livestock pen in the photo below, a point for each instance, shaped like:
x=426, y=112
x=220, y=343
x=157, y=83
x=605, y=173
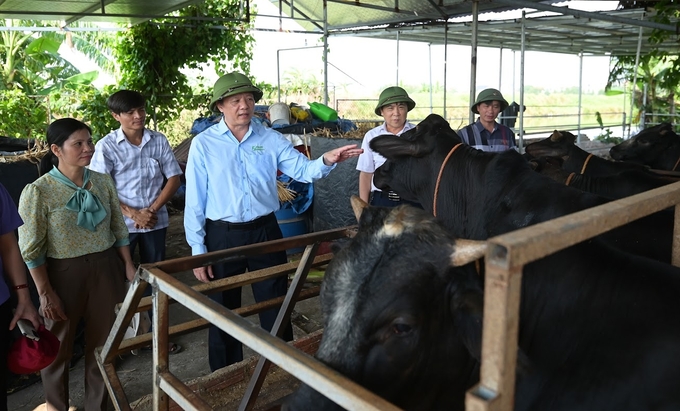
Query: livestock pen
x=505, y=258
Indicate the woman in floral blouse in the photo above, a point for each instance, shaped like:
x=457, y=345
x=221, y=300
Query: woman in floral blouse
x=75, y=244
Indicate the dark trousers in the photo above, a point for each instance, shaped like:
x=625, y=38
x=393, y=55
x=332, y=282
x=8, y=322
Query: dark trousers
x=223, y=349
x=5, y=318
x=151, y=249
x=151, y=245
x=89, y=288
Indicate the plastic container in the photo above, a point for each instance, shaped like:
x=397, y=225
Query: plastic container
x=299, y=114
x=279, y=114
x=291, y=224
x=323, y=112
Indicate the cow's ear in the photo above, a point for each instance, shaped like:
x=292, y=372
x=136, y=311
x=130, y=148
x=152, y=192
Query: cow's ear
x=358, y=206
x=467, y=306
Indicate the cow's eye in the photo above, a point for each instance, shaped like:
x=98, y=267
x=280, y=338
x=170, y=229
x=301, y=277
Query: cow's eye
x=401, y=328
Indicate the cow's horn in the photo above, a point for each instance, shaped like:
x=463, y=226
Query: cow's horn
x=467, y=251
x=358, y=206
x=556, y=136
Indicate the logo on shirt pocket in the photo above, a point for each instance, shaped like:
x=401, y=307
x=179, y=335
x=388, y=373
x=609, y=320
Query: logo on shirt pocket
x=258, y=150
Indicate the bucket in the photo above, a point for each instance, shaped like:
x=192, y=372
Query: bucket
x=291, y=224
x=279, y=114
x=323, y=112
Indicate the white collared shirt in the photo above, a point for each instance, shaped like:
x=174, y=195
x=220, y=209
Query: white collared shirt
x=369, y=160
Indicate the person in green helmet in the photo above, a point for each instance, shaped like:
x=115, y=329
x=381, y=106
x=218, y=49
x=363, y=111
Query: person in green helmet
x=231, y=197
x=486, y=134
x=393, y=106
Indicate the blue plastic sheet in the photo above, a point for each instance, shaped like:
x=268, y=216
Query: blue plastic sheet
x=305, y=194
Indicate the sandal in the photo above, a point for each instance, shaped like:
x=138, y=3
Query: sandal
x=173, y=348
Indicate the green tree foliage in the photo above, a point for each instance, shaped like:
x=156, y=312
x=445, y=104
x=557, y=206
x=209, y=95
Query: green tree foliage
x=22, y=116
x=151, y=54
x=659, y=70
x=31, y=62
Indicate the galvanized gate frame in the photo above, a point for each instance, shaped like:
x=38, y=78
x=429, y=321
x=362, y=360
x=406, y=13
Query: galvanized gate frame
x=165, y=287
x=505, y=258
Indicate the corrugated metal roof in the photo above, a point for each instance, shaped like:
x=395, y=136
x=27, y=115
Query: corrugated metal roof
x=557, y=34
x=120, y=11
x=598, y=33
x=342, y=14
x=602, y=33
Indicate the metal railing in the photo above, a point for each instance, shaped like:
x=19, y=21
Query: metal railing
x=167, y=290
x=505, y=259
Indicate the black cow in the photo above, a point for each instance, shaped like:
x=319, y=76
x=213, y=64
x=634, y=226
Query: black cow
x=657, y=147
x=614, y=186
x=599, y=329
x=499, y=192
x=576, y=160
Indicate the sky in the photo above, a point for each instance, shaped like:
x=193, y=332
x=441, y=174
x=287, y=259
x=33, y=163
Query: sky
x=365, y=66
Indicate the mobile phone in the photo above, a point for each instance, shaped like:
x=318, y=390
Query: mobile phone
x=27, y=329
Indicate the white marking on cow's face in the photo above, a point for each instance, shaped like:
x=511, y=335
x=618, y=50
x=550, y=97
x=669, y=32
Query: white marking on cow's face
x=337, y=334
x=397, y=222
x=342, y=334
x=391, y=230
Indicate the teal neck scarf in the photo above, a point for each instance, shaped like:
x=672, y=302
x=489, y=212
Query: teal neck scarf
x=90, y=210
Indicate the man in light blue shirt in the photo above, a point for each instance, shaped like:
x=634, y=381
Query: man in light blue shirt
x=231, y=197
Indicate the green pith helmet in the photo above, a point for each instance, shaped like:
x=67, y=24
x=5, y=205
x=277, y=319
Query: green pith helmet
x=490, y=94
x=230, y=84
x=393, y=95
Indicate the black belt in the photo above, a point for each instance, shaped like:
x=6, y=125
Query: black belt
x=249, y=225
x=390, y=195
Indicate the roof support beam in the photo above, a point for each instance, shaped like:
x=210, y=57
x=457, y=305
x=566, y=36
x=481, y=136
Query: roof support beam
x=305, y=16
x=394, y=9
x=588, y=14
x=439, y=9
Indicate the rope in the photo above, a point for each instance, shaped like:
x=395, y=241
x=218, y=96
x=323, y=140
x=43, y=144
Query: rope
x=585, y=163
x=439, y=179
x=676, y=164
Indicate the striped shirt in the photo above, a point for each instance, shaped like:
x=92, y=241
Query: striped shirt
x=475, y=135
x=51, y=230
x=137, y=171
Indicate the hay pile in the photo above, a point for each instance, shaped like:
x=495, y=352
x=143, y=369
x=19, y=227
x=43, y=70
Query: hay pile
x=358, y=134
x=33, y=154
x=285, y=193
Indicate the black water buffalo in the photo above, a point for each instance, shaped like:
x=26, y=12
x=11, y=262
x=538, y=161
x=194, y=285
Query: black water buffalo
x=657, y=147
x=386, y=314
x=614, y=186
x=486, y=194
x=599, y=329
x=576, y=160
